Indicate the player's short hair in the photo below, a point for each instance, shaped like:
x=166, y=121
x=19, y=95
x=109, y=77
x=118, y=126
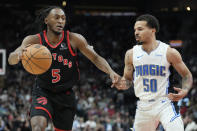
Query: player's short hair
x=151, y=20
x=43, y=13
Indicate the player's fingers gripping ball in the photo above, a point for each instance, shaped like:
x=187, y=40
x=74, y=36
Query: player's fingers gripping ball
x=36, y=59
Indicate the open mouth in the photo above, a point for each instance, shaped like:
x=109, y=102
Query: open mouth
x=137, y=38
x=60, y=27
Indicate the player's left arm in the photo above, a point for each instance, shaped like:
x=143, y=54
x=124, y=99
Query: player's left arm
x=127, y=79
x=174, y=57
x=80, y=43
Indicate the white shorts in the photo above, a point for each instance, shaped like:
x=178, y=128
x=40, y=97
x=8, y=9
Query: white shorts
x=150, y=113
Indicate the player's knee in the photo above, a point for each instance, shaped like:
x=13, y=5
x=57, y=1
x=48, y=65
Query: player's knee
x=38, y=123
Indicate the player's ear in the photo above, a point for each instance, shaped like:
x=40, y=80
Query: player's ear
x=46, y=20
x=154, y=30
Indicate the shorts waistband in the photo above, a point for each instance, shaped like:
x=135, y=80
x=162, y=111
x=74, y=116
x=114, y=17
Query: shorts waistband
x=151, y=100
x=55, y=90
x=155, y=99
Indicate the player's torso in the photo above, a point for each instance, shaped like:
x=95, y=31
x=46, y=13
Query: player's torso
x=64, y=68
x=151, y=72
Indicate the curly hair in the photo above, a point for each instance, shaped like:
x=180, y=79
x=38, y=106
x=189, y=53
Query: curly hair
x=42, y=14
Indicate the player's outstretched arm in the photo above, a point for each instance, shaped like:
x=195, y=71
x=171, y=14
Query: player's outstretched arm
x=15, y=56
x=79, y=42
x=126, y=80
x=174, y=57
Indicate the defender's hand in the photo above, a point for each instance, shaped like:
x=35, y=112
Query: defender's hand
x=176, y=97
x=122, y=84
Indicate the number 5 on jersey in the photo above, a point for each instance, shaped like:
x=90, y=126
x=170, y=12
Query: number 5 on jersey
x=56, y=76
x=150, y=85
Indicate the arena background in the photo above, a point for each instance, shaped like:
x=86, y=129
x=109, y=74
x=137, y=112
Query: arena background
x=108, y=26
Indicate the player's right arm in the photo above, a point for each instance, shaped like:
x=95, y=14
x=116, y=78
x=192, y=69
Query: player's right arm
x=15, y=56
x=126, y=80
x=174, y=57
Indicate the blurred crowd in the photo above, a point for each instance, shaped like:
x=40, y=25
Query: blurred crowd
x=99, y=107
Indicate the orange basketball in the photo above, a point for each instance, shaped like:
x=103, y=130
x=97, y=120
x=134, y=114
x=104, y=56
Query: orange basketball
x=37, y=59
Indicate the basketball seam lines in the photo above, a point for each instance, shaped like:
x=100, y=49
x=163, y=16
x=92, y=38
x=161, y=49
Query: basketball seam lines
x=32, y=56
x=27, y=59
x=28, y=63
x=35, y=63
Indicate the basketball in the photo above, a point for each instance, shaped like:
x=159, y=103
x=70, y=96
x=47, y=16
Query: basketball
x=36, y=59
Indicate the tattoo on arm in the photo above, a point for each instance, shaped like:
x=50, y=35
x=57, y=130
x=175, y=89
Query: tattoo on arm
x=128, y=71
x=187, y=82
x=129, y=83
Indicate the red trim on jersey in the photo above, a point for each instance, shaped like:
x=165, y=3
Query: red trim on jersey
x=44, y=109
x=40, y=38
x=69, y=47
x=56, y=129
x=45, y=37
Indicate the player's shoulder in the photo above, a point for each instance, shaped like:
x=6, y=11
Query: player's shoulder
x=163, y=44
x=137, y=47
x=32, y=39
x=77, y=40
x=173, y=55
x=129, y=56
x=129, y=52
x=73, y=35
x=172, y=51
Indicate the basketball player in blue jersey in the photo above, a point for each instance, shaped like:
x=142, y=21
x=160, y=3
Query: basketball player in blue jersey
x=52, y=95
x=147, y=67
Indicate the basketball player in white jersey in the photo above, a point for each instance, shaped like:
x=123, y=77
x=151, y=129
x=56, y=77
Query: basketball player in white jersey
x=147, y=67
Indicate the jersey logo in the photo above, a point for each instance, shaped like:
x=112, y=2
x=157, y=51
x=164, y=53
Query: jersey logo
x=158, y=55
x=63, y=46
x=150, y=70
x=139, y=56
x=42, y=100
x=62, y=60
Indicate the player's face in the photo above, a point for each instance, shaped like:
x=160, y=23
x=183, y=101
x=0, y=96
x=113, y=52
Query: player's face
x=56, y=20
x=142, y=32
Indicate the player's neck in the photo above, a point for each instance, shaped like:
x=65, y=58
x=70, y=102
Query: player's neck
x=150, y=46
x=53, y=38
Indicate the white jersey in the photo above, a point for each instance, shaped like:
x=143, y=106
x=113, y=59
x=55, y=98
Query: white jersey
x=151, y=72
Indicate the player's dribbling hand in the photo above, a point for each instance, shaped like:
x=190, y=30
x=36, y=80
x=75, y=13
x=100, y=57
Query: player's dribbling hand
x=23, y=50
x=16, y=56
x=19, y=54
x=176, y=97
